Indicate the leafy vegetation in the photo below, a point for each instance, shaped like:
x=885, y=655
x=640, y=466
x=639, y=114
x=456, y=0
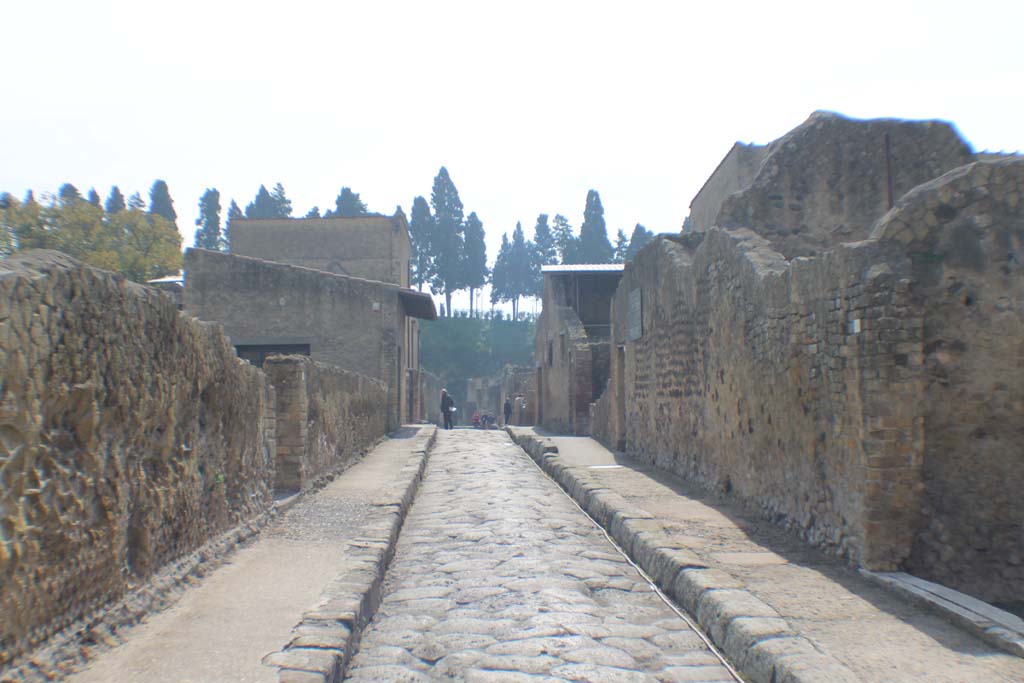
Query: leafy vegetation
x=138, y=244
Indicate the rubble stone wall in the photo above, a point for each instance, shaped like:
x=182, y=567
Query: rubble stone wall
x=129, y=436
x=326, y=418
x=564, y=356
x=870, y=397
x=827, y=181
x=787, y=385
x=964, y=233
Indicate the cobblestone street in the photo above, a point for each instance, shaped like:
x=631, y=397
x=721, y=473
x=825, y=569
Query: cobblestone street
x=499, y=577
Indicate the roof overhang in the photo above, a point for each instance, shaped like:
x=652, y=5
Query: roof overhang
x=417, y=304
x=584, y=268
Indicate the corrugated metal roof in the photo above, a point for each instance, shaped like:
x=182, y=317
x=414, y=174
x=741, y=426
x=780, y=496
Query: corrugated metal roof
x=584, y=268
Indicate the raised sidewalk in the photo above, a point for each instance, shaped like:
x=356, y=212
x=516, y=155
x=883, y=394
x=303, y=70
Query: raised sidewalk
x=305, y=586
x=779, y=609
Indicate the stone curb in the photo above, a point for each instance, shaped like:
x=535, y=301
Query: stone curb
x=324, y=641
x=996, y=627
x=758, y=641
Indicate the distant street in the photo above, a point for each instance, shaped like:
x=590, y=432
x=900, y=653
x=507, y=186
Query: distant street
x=499, y=577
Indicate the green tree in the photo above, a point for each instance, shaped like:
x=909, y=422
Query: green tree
x=475, y=271
x=93, y=197
x=565, y=240
x=209, y=234
x=68, y=193
x=348, y=204
x=523, y=267
x=594, y=246
x=421, y=228
x=545, y=252
x=446, y=241
x=234, y=214
x=136, y=202
x=115, y=201
x=501, y=286
x=621, y=245
x=313, y=213
x=263, y=206
x=140, y=246
x=281, y=202
x=160, y=202
x=641, y=236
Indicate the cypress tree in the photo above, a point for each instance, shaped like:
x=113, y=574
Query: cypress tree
x=565, y=241
x=641, y=236
x=282, y=205
x=234, y=213
x=94, y=197
x=263, y=206
x=446, y=243
x=160, y=202
x=421, y=228
x=115, y=202
x=68, y=194
x=208, y=236
x=621, y=245
x=348, y=204
x=475, y=264
x=594, y=246
x=136, y=202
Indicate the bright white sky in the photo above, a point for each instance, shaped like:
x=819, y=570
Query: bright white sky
x=528, y=104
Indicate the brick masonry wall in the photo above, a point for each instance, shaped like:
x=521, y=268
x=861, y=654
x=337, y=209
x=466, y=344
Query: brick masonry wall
x=326, y=418
x=964, y=233
x=131, y=436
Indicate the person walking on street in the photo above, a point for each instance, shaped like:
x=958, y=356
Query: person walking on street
x=447, y=407
x=508, y=410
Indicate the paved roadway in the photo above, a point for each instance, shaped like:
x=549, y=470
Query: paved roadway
x=498, y=577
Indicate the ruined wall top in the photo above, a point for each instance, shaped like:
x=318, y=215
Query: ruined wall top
x=828, y=180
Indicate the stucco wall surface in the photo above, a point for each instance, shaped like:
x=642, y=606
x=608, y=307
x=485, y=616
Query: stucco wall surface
x=129, y=436
x=326, y=418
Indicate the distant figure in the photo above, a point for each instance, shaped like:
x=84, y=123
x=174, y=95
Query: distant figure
x=447, y=407
x=508, y=410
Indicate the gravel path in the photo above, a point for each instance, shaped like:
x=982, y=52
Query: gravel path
x=499, y=577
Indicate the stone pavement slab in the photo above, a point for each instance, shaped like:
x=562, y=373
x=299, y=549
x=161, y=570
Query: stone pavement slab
x=222, y=628
x=499, y=577
x=775, y=605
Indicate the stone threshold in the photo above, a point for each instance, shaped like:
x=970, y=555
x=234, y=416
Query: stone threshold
x=993, y=625
x=755, y=638
x=325, y=640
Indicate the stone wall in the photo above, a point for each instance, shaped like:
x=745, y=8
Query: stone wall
x=964, y=234
x=734, y=173
x=869, y=398
x=828, y=180
x=354, y=324
x=131, y=435
x=563, y=356
x=769, y=381
x=326, y=418
x=368, y=247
